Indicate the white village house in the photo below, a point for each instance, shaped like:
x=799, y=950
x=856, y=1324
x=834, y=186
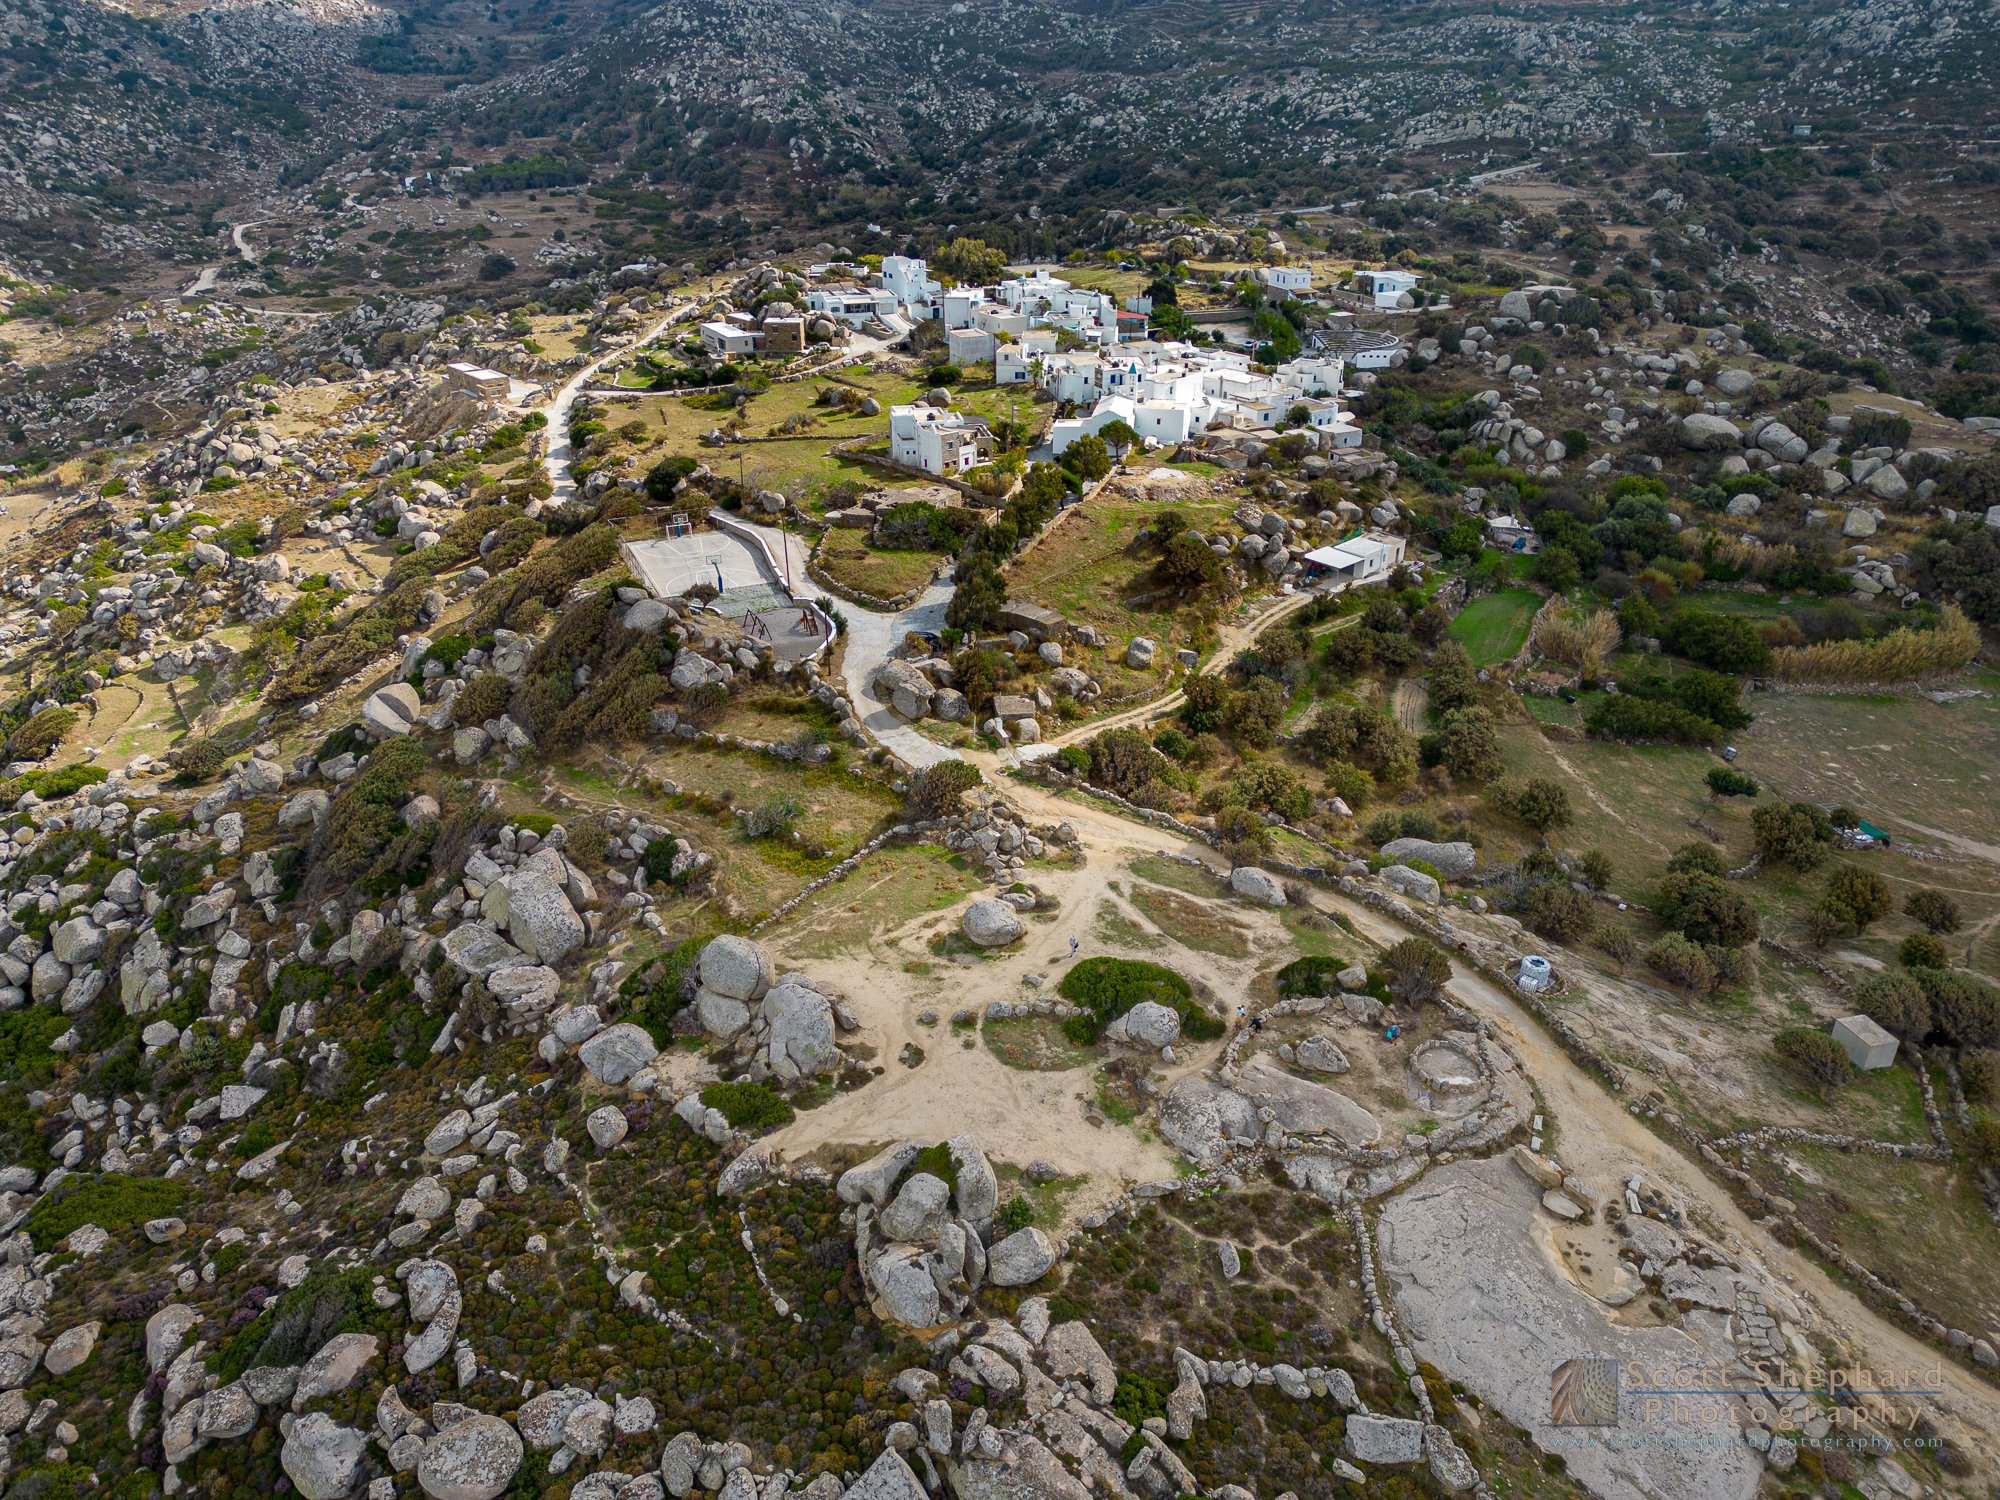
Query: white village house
x=938, y=441
x=1390, y=288
x=1171, y=392
x=1287, y=281
x=724, y=339
x=1368, y=558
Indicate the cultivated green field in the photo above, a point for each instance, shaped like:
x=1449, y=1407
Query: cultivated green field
x=1493, y=627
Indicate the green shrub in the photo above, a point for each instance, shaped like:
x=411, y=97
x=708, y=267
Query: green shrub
x=365, y=840
x=748, y=1106
x=109, y=1200
x=1922, y=951
x=1725, y=781
x=1108, y=987
x=1311, y=975
x=1138, y=1398
x=483, y=698
x=199, y=762
x=293, y=1329
x=658, y=860
x=1818, y=1060
x=39, y=735
x=1627, y=718
x=1013, y=1216
x=1681, y=961
x=1387, y=827
x=938, y=1162
x=51, y=784
x=935, y=791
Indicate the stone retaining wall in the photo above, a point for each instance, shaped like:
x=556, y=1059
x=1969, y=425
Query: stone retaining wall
x=1977, y=1352
x=900, y=833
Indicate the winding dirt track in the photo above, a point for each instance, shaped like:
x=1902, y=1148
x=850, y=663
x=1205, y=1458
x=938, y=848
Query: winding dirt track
x=1599, y=1140
x=1230, y=641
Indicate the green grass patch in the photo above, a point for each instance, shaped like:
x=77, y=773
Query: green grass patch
x=748, y=1106
x=1200, y=925
x=1493, y=627
x=109, y=1200
x=1034, y=1044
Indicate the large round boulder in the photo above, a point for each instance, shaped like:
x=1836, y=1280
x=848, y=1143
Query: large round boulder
x=1207, y=1121
x=1413, y=884
x=1783, y=444
x=991, y=923
x=736, y=967
x=1706, y=433
x=471, y=1460
x=904, y=1284
x=904, y=688
x=617, y=1052
x=801, y=1020
x=322, y=1458
x=1023, y=1257
x=541, y=1417
x=919, y=1207
x=720, y=1015
x=227, y=1414
x=977, y=1191
x=541, y=920
x=1453, y=860
x=607, y=1126
x=1149, y=1023
x=1258, y=885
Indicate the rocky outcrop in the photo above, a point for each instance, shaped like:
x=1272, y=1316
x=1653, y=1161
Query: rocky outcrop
x=322, y=1458
x=924, y=1253
x=475, y=1459
x=1024, y=1257
x=1258, y=885
x=1453, y=861
x=1206, y=1121
x=617, y=1052
x=991, y=923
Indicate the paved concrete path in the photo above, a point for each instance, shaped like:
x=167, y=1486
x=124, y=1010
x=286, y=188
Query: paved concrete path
x=556, y=460
x=870, y=637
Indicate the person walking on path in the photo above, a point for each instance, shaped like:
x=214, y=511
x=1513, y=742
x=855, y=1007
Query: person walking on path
x=1072, y=946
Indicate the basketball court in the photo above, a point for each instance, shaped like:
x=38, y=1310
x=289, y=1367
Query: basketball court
x=670, y=566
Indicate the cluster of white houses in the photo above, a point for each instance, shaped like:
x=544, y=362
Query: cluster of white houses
x=1092, y=356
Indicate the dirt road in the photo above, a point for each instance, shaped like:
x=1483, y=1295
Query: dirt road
x=556, y=460
x=1231, y=640
x=1599, y=1139
x=960, y=1085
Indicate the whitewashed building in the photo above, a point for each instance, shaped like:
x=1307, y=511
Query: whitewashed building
x=908, y=280
x=938, y=441
x=1368, y=558
x=856, y=306
x=1388, y=287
